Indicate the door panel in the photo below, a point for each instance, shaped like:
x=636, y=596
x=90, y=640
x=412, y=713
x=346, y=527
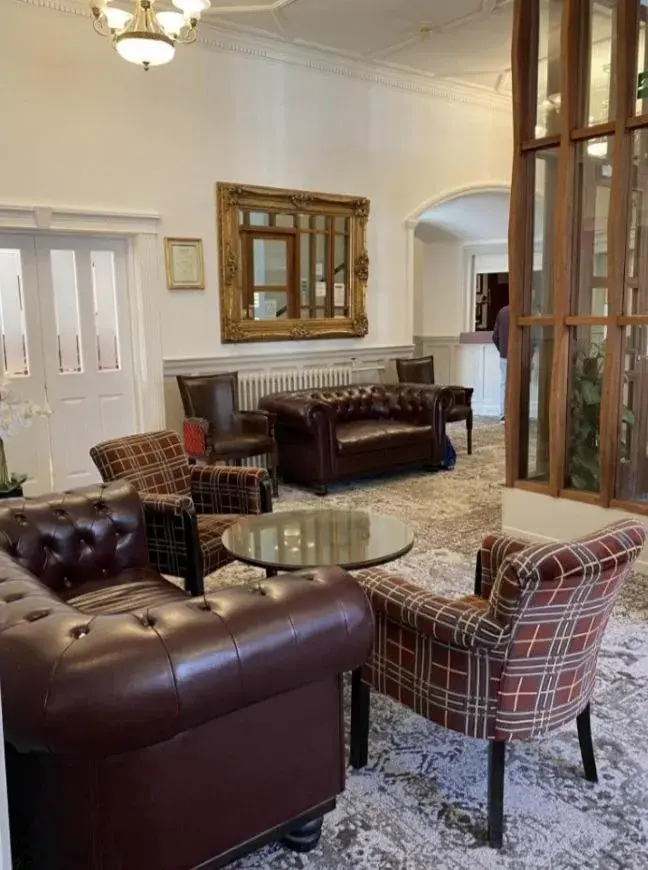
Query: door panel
x=28, y=451
x=86, y=349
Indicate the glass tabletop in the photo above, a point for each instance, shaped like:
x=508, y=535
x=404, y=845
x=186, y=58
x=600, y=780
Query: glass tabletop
x=318, y=538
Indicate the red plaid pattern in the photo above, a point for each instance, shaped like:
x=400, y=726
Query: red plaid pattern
x=516, y=662
x=152, y=462
x=194, y=436
x=186, y=509
x=224, y=489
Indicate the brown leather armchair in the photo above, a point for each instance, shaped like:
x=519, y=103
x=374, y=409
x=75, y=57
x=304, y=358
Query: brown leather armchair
x=326, y=435
x=215, y=429
x=421, y=371
x=147, y=730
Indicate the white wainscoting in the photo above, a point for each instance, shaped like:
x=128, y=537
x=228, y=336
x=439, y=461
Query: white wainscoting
x=471, y=365
x=371, y=365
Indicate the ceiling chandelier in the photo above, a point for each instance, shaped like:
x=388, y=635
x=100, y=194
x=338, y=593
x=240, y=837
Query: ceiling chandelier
x=144, y=36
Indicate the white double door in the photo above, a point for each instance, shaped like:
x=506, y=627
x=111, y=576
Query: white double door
x=66, y=343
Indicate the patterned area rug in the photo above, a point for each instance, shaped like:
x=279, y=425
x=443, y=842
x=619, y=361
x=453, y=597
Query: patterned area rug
x=420, y=803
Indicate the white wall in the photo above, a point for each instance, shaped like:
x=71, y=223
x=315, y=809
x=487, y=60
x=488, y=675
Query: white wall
x=81, y=127
x=443, y=289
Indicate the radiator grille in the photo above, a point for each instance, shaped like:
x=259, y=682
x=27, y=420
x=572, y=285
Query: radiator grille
x=254, y=385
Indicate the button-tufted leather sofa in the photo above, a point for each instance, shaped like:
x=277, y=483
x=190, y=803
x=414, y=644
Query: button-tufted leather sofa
x=326, y=435
x=148, y=730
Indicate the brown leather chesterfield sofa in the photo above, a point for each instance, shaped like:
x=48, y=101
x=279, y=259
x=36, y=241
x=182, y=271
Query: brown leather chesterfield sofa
x=148, y=730
x=325, y=435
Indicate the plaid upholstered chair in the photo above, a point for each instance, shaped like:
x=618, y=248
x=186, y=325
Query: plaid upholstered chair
x=512, y=662
x=187, y=508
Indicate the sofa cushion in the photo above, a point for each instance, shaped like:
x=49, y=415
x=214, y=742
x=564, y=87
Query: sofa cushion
x=360, y=436
x=132, y=591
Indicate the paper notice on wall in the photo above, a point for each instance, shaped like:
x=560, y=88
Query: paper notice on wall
x=320, y=288
x=339, y=295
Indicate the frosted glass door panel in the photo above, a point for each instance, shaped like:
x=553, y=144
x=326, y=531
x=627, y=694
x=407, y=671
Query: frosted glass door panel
x=15, y=354
x=28, y=450
x=66, y=310
x=104, y=286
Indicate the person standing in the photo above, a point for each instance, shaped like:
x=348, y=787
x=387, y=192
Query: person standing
x=500, y=340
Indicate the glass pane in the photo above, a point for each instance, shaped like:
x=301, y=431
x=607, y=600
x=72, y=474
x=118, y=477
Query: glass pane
x=636, y=290
x=12, y=315
x=321, y=258
x=339, y=276
x=632, y=472
x=542, y=276
x=642, y=61
x=587, y=351
x=285, y=220
x=66, y=310
x=270, y=304
x=341, y=225
x=270, y=261
x=259, y=219
x=549, y=89
x=304, y=271
x=602, y=50
x=592, y=206
x=104, y=287
x=537, y=356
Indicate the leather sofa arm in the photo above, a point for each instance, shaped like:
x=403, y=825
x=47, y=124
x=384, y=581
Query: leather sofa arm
x=98, y=685
x=304, y=414
x=466, y=623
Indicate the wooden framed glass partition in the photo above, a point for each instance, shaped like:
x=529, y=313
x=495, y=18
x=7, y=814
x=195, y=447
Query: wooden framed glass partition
x=577, y=401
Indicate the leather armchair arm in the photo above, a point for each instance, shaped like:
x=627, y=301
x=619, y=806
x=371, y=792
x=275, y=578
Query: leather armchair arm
x=223, y=489
x=305, y=414
x=100, y=685
x=257, y=422
x=466, y=623
x=494, y=550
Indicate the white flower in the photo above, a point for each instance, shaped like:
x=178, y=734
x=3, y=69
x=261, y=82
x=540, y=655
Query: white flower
x=16, y=413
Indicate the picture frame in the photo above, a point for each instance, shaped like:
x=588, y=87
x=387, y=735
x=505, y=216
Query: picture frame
x=185, y=265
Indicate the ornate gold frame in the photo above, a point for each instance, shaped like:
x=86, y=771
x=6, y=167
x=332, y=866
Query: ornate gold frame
x=230, y=198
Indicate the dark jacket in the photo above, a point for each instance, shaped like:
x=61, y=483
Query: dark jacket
x=501, y=332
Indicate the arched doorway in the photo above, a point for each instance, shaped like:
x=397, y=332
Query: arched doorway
x=458, y=277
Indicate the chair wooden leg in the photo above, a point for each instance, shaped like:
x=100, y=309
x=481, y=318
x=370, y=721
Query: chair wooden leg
x=271, y=459
x=360, y=704
x=496, y=767
x=584, y=727
x=469, y=432
x=478, y=574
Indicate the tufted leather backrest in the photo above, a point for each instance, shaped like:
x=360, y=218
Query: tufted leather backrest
x=419, y=370
x=76, y=537
x=153, y=462
x=212, y=397
x=363, y=401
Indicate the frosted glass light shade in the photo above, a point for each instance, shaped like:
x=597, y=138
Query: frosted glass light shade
x=146, y=49
x=172, y=23
x=192, y=8
x=116, y=19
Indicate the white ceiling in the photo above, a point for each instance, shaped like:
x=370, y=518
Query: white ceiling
x=475, y=217
x=466, y=41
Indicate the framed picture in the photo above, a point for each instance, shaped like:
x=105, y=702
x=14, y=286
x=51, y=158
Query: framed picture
x=185, y=268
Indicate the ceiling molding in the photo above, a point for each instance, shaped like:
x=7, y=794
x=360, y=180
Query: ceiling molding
x=220, y=38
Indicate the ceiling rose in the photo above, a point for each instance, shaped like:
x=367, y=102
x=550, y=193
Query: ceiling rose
x=146, y=37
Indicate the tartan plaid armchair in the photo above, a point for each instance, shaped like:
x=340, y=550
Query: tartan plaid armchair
x=187, y=508
x=514, y=661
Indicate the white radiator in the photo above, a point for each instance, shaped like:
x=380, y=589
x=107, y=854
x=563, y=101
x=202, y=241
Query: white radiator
x=254, y=385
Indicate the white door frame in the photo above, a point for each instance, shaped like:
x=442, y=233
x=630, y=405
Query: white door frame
x=145, y=285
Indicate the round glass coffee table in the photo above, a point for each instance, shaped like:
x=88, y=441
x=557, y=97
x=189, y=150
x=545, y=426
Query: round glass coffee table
x=293, y=540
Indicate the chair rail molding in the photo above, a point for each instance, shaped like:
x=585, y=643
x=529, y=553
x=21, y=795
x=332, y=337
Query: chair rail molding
x=363, y=359
x=141, y=231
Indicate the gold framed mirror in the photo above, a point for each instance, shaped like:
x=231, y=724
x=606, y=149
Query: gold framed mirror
x=293, y=264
